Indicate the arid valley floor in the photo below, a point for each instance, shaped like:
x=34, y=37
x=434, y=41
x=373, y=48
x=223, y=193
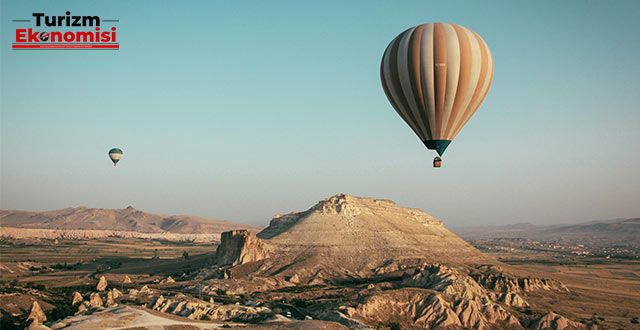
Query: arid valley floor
x=347, y=262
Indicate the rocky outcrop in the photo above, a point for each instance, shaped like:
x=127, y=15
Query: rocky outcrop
x=196, y=309
x=128, y=317
x=421, y=309
x=556, y=322
x=239, y=247
x=168, y=280
x=502, y=282
x=36, y=316
x=339, y=204
x=458, y=301
x=458, y=284
x=77, y=298
x=94, y=300
x=511, y=299
x=102, y=284
x=110, y=300
x=116, y=293
x=127, y=279
x=82, y=308
x=295, y=279
x=447, y=280
x=145, y=289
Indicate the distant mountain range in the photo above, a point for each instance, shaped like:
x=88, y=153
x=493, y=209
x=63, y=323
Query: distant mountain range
x=126, y=220
x=622, y=231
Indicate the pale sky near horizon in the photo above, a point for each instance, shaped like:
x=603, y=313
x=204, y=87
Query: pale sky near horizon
x=241, y=110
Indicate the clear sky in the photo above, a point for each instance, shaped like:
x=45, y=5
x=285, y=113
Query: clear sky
x=239, y=110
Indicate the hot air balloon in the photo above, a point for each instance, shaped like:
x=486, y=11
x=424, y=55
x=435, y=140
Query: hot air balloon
x=115, y=154
x=436, y=76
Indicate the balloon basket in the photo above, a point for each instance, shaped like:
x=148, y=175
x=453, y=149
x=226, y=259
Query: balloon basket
x=437, y=162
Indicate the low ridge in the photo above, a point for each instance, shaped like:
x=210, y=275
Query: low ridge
x=128, y=219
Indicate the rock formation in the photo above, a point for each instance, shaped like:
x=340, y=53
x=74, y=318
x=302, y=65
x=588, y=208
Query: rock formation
x=145, y=289
x=496, y=280
x=102, y=284
x=82, y=308
x=556, y=322
x=196, y=309
x=168, y=280
x=447, y=280
x=413, y=270
x=128, y=317
x=94, y=300
x=116, y=293
x=77, y=298
x=421, y=309
x=110, y=300
x=36, y=316
x=511, y=299
x=239, y=247
x=458, y=301
x=345, y=236
x=127, y=279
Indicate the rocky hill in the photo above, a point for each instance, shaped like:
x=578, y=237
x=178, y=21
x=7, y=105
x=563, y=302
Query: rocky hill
x=351, y=237
x=121, y=220
x=368, y=263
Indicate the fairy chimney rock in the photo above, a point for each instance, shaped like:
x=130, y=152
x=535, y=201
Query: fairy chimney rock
x=102, y=284
x=36, y=316
x=77, y=298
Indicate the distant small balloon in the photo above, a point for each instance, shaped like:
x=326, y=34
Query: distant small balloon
x=115, y=154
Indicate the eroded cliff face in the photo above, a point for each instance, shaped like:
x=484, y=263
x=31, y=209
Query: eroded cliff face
x=239, y=247
x=414, y=308
x=554, y=321
x=501, y=282
x=436, y=296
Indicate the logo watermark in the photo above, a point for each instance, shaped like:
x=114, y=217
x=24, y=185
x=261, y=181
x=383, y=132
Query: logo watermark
x=54, y=32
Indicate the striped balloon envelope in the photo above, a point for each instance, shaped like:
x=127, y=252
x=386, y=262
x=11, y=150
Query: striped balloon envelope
x=115, y=155
x=436, y=76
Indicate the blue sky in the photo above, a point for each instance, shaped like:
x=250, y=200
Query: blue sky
x=240, y=110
